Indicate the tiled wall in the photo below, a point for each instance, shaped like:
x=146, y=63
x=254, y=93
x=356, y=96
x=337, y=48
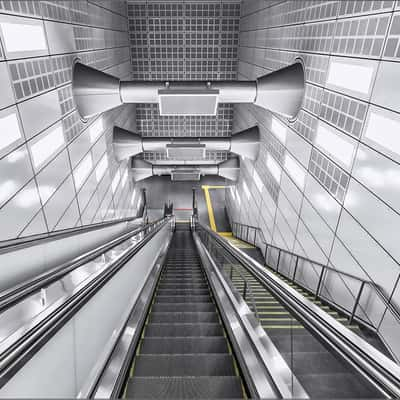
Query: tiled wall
x=327, y=186
x=56, y=171
x=184, y=40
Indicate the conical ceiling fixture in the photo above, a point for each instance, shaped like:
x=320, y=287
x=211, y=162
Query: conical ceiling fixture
x=281, y=91
x=128, y=144
x=229, y=169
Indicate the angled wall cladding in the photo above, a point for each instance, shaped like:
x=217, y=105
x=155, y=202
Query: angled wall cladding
x=57, y=171
x=184, y=40
x=331, y=187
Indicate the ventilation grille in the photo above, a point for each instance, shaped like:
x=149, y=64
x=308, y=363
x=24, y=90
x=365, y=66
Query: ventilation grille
x=185, y=175
x=186, y=151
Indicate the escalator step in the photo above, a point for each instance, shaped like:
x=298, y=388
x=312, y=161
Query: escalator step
x=183, y=299
x=214, y=387
x=184, y=365
x=189, y=345
x=182, y=291
x=183, y=286
x=182, y=307
x=183, y=330
x=183, y=317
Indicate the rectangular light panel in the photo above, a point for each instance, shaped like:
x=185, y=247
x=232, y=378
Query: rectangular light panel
x=23, y=37
x=10, y=132
x=44, y=148
x=350, y=76
x=246, y=190
x=188, y=102
x=334, y=145
x=385, y=131
x=124, y=178
x=295, y=170
x=82, y=171
x=274, y=168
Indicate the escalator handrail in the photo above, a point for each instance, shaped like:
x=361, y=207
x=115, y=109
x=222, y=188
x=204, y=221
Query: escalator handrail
x=377, y=289
x=374, y=365
x=37, y=334
x=15, y=294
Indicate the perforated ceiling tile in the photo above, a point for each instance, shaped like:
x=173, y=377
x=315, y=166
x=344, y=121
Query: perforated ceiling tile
x=179, y=40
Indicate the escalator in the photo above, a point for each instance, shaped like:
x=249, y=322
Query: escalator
x=183, y=351
x=319, y=369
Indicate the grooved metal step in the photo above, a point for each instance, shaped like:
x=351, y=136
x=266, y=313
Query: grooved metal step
x=184, y=365
x=215, y=387
x=183, y=330
x=183, y=307
x=182, y=299
x=183, y=317
x=184, y=345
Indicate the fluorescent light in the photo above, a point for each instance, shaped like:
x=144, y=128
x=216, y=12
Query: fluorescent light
x=96, y=129
x=232, y=190
x=350, y=76
x=246, y=190
x=10, y=132
x=257, y=181
x=385, y=131
x=83, y=170
x=21, y=37
x=238, y=199
x=333, y=144
x=124, y=178
x=278, y=129
x=295, y=170
x=274, y=168
x=44, y=148
x=101, y=167
x=115, y=181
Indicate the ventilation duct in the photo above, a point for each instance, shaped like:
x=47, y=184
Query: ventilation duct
x=128, y=144
x=281, y=91
x=228, y=169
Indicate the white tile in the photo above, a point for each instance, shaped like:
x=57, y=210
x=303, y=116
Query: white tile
x=11, y=132
x=378, y=173
x=378, y=219
x=60, y=37
x=39, y=113
x=286, y=209
x=298, y=147
x=387, y=86
x=79, y=147
x=7, y=95
x=87, y=190
x=291, y=192
x=366, y=252
x=317, y=227
x=323, y=202
x=15, y=172
x=18, y=212
x=70, y=218
x=36, y=226
x=58, y=204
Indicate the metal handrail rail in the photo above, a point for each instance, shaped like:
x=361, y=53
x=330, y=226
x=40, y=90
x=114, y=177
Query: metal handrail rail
x=324, y=268
x=16, y=244
x=379, y=368
x=19, y=292
x=13, y=358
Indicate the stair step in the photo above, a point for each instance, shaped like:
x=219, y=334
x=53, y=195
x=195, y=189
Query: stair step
x=182, y=291
x=210, y=387
x=183, y=299
x=183, y=317
x=184, y=365
x=187, y=345
x=182, y=307
x=183, y=329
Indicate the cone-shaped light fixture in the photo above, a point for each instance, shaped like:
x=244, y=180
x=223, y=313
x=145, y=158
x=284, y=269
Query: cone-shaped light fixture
x=128, y=144
x=229, y=169
x=281, y=91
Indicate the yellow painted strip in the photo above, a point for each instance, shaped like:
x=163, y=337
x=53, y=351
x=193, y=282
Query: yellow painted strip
x=225, y=234
x=213, y=226
x=213, y=187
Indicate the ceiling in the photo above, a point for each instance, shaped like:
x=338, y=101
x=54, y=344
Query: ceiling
x=184, y=40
